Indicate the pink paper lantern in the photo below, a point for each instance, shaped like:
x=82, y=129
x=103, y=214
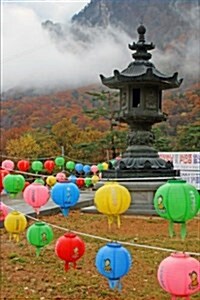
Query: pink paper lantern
x=36, y=195
x=179, y=275
x=3, y=211
x=60, y=177
x=118, y=157
x=94, y=169
x=8, y=164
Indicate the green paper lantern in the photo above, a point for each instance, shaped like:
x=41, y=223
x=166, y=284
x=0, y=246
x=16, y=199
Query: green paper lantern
x=59, y=161
x=39, y=235
x=177, y=201
x=70, y=165
x=39, y=180
x=88, y=181
x=13, y=184
x=100, y=167
x=37, y=166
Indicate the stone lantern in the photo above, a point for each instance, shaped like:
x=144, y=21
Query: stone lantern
x=140, y=169
x=141, y=86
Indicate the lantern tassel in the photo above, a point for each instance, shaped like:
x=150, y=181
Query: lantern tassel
x=12, y=195
x=65, y=211
x=171, y=229
x=183, y=231
x=16, y=237
x=37, y=210
x=38, y=251
x=118, y=221
x=115, y=283
x=66, y=266
x=110, y=221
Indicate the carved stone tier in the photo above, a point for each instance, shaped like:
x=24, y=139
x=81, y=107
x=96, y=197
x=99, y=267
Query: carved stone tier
x=140, y=173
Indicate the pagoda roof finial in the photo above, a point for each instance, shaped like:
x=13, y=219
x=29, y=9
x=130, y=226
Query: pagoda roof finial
x=141, y=31
x=141, y=47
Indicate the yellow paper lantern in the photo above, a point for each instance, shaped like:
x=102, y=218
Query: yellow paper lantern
x=15, y=223
x=95, y=179
x=112, y=199
x=51, y=180
x=105, y=166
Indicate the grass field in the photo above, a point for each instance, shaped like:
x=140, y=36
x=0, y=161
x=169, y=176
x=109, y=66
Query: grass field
x=25, y=276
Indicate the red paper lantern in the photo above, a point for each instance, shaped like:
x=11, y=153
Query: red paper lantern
x=49, y=165
x=23, y=165
x=26, y=184
x=3, y=173
x=3, y=211
x=69, y=248
x=80, y=182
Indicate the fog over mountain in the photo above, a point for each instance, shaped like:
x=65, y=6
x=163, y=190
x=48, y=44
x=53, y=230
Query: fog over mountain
x=51, y=55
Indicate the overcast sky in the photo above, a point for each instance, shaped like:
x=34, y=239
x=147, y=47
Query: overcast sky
x=27, y=51
x=56, y=10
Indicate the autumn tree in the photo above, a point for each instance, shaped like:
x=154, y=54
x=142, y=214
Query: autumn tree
x=188, y=138
x=91, y=147
x=106, y=106
x=24, y=147
x=162, y=140
x=46, y=141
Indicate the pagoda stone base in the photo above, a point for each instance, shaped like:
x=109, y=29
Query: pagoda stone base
x=142, y=192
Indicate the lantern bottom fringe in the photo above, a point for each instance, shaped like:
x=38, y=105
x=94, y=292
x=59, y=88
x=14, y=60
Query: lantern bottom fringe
x=38, y=251
x=111, y=220
x=37, y=210
x=15, y=237
x=65, y=211
x=67, y=265
x=183, y=230
x=171, y=229
x=115, y=283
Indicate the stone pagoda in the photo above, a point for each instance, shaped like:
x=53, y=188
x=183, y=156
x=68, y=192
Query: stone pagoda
x=141, y=169
x=141, y=86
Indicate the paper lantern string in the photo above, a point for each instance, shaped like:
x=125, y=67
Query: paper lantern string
x=102, y=179
x=47, y=158
x=110, y=240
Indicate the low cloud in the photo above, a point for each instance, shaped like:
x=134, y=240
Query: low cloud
x=33, y=58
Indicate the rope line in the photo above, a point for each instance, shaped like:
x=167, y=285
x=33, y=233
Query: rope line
x=47, y=158
x=108, y=240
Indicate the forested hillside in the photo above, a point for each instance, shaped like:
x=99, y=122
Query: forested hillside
x=59, y=119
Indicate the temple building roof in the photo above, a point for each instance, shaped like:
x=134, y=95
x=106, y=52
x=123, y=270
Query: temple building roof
x=141, y=70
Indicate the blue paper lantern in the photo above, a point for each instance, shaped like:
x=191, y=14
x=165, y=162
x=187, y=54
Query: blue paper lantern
x=79, y=167
x=86, y=169
x=113, y=261
x=65, y=194
x=72, y=178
